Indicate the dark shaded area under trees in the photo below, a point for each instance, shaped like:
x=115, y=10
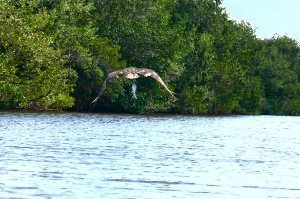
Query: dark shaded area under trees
x=54, y=54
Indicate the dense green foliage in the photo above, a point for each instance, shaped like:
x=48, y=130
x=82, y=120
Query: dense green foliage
x=56, y=54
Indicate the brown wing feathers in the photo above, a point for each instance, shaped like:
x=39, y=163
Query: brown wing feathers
x=148, y=72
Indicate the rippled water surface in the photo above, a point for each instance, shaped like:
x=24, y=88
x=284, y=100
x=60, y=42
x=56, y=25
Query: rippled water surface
x=70, y=155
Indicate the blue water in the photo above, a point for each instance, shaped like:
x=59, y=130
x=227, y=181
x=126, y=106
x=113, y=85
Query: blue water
x=71, y=155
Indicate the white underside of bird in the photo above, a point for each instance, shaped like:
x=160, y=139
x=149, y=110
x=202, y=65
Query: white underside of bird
x=132, y=76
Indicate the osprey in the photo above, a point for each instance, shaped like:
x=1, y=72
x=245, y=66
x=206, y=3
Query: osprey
x=131, y=73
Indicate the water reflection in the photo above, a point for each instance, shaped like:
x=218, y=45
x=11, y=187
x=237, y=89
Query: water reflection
x=125, y=156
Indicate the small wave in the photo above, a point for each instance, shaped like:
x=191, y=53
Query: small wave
x=151, y=181
x=254, y=187
x=275, y=188
x=25, y=188
x=20, y=147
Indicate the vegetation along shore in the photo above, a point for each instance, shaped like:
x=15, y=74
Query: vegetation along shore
x=56, y=54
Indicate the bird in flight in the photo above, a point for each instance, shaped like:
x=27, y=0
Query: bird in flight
x=131, y=73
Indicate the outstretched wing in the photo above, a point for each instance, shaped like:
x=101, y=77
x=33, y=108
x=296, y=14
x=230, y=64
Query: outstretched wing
x=103, y=87
x=148, y=72
x=110, y=77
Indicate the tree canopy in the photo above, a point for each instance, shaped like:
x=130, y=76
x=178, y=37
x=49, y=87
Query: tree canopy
x=55, y=54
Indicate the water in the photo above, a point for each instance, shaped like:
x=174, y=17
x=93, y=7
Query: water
x=72, y=155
